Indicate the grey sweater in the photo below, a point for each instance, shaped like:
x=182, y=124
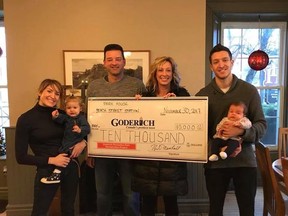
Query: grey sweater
x=127, y=87
x=218, y=105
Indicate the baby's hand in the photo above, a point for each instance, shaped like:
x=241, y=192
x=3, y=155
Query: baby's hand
x=55, y=113
x=76, y=129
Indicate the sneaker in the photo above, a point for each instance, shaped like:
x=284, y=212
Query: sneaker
x=223, y=155
x=54, y=178
x=213, y=157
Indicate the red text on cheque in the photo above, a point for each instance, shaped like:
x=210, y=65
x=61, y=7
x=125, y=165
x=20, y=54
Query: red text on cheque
x=112, y=145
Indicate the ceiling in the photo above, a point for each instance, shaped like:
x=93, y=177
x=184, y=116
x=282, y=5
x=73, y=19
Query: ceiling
x=247, y=10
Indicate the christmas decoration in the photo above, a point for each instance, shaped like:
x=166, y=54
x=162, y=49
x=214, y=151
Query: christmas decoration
x=2, y=144
x=258, y=60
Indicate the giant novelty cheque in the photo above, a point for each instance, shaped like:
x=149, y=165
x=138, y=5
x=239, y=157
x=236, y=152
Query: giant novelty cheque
x=152, y=128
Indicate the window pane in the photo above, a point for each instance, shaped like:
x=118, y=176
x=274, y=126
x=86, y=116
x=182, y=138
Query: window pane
x=4, y=108
x=3, y=71
x=3, y=67
x=245, y=38
x=272, y=36
x=271, y=108
x=272, y=73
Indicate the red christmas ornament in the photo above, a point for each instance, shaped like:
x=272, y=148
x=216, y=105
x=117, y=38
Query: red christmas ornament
x=258, y=60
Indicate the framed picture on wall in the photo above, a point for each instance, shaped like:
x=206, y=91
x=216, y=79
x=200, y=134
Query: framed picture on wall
x=81, y=67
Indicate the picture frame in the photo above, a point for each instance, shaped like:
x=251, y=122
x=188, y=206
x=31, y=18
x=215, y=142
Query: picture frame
x=83, y=66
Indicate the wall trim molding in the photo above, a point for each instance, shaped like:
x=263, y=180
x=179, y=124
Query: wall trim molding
x=19, y=209
x=4, y=193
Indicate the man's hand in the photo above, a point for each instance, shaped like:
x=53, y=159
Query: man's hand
x=237, y=150
x=229, y=130
x=77, y=149
x=90, y=162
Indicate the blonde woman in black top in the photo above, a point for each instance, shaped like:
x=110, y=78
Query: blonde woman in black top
x=161, y=178
x=36, y=129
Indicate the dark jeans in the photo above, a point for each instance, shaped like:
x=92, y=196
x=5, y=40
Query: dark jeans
x=218, y=143
x=245, y=184
x=105, y=169
x=44, y=193
x=149, y=205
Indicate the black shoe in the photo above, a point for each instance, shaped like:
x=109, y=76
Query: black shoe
x=54, y=178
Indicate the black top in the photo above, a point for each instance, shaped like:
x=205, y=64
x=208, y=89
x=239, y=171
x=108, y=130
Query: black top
x=180, y=91
x=35, y=128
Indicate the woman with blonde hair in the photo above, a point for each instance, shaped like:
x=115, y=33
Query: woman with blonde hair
x=36, y=129
x=153, y=178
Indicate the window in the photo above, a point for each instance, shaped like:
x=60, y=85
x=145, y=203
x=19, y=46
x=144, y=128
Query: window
x=243, y=39
x=4, y=107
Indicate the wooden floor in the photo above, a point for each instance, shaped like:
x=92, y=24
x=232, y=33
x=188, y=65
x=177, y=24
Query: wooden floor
x=230, y=207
